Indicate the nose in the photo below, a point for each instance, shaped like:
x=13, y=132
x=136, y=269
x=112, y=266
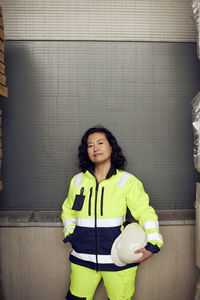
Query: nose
x=95, y=148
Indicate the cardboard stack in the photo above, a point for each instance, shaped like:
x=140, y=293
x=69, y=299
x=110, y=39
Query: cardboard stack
x=3, y=88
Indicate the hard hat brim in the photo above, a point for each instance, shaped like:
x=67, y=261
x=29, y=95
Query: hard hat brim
x=114, y=255
x=132, y=238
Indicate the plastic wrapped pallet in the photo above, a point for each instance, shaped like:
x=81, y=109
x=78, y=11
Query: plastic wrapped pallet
x=196, y=130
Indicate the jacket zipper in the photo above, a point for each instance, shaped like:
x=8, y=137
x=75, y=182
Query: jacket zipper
x=89, y=205
x=95, y=225
x=102, y=193
x=82, y=191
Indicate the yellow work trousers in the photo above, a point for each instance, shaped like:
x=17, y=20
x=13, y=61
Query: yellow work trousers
x=120, y=285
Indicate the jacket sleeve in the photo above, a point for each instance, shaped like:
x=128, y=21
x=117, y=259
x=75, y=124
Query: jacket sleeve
x=68, y=215
x=138, y=204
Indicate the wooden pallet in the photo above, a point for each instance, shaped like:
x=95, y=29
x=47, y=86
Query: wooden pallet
x=3, y=88
x=3, y=92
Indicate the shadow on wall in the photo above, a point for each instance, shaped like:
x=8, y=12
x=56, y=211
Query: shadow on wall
x=21, y=132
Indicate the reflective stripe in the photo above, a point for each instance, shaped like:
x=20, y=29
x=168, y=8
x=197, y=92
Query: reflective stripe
x=154, y=236
x=68, y=229
x=150, y=225
x=69, y=221
x=78, y=180
x=102, y=259
x=69, y=224
x=85, y=222
x=100, y=222
x=123, y=179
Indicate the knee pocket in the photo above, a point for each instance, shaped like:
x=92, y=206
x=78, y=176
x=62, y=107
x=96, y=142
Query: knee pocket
x=70, y=296
x=128, y=287
x=121, y=285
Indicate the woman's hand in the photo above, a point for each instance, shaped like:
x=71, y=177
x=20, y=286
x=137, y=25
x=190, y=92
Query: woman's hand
x=146, y=255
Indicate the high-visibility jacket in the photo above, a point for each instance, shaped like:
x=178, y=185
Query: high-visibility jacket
x=93, y=215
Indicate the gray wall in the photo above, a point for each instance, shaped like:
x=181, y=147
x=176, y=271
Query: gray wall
x=34, y=265
x=139, y=90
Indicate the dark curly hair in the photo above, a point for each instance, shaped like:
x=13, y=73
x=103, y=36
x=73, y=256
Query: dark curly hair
x=118, y=160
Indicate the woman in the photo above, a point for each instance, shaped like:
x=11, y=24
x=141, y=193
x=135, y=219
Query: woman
x=93, y=216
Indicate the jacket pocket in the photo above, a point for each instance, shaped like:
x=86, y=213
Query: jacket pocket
x=102, y=193
x=89, y=204
x=79, y=200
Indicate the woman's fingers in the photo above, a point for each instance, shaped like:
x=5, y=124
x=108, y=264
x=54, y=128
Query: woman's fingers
x=146, y=255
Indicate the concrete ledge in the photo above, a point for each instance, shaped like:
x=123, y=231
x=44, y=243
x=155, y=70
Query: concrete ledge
x=30, y=218
x=52, y=218
x=176, y=217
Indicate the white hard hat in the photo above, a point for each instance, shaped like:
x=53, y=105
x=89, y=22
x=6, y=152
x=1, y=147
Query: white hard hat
x=131, y=239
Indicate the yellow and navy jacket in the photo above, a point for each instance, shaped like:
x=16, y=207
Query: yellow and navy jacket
x=93, y=215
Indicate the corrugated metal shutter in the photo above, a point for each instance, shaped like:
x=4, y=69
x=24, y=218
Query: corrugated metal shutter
x=138, y=20
x=141, y=91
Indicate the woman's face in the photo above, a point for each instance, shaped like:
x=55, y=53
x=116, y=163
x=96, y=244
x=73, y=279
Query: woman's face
x=98, y=148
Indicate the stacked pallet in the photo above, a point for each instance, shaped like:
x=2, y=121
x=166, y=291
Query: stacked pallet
x=1, y=152
x=3, y=88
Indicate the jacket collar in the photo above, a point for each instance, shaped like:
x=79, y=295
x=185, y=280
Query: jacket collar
x=111, y=172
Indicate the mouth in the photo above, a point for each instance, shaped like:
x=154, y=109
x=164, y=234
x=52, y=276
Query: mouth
x=97, y=154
